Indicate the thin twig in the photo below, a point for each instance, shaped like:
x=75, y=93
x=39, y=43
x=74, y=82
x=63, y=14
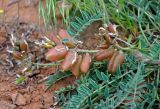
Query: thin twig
x=119, y=39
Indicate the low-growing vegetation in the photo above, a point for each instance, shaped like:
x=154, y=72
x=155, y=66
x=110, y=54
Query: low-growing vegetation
x=112, y=47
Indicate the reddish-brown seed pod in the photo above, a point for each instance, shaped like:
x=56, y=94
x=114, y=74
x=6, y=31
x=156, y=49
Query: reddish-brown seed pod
x=112, y=28
x=23, y=46
x=76, y=68
x=119, y=59
x=103, y=46
x=104, y=54
x=17, y=55
x=99, y=53
x=57, y=53
x=86, y=62
x=69, y=61
x=111, y=61
x=108, y=39
x=55, y=39
x=64, y=35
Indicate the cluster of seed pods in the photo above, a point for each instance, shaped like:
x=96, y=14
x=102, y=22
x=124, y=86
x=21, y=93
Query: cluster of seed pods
x=77, y=64
x=115, y=58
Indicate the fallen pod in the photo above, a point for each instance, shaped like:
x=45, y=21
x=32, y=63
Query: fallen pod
x=69, y=61
x=86, y=62
x=56, y=53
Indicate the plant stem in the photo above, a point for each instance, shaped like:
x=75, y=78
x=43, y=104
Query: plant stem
x=46, y=64
x=125, y=42
x=122, y=48
x=85, y=51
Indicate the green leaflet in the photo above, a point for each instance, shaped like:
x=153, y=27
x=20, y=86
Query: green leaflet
x=56, y=77
x=20, y=80
x=81, y=23
x=64, y=94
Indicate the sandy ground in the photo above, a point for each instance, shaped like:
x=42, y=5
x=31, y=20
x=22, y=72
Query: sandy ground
x=29, y=95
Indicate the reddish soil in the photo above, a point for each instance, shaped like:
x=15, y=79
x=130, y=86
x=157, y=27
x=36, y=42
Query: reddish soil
x=29, y=95
x=27, y=10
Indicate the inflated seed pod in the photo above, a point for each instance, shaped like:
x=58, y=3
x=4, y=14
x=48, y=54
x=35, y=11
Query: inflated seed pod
x=86, y=62
x=111, y=61
x=76, y=68
x=112, y=28
x=55, y=39
x=103, y=46
x=64, y=35
x=69, y=61
x=104, y=54
x=99, y=53
x=56, y=53
x=108, y=39
x=23, y=46
x=119, y=59
x=17, y=55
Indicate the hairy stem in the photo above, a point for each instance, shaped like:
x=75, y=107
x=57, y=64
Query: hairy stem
x=86, y=51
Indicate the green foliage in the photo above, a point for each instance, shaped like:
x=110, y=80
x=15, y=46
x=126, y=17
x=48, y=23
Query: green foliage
x=64, y=94
x=151, y=50
x=88, y=12
x=128, y=88
x=115, y=89
x=56, y=77
x=154, y=50
x=80, y=24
